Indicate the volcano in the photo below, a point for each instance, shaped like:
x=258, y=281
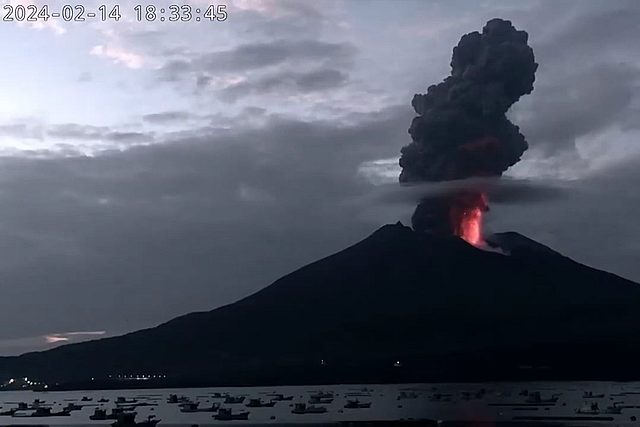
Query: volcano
x=400, y=305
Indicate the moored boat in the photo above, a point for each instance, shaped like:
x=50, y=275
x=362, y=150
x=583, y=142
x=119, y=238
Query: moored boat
x=356, y=404
x=226, y=414
x=589, y=409
x=232, y=400
x=302, y=408
x=258, y=403
x=280, y=397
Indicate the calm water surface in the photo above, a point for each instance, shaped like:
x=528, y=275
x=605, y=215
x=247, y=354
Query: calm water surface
x=477, y=402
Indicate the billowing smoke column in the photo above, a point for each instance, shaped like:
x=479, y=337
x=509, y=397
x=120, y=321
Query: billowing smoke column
x=461, y=130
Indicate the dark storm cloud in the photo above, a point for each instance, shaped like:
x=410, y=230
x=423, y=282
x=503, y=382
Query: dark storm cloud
x=287, y=82
x=253, y=56
x=191, y=224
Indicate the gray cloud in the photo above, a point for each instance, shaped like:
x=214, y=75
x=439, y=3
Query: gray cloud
x=168, y=117
x=253, y=56
x=580, y=103
x=287, y=82
x=588, y=78
x=73, y=131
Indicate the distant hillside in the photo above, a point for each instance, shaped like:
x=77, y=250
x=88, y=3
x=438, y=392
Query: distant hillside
x=446, y=310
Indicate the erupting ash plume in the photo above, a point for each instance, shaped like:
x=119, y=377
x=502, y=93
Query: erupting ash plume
x=461, y=130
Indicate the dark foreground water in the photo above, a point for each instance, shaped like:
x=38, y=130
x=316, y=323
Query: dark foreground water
x=475, y=403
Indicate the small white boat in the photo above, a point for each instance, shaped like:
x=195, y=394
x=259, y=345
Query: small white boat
x=231, y=400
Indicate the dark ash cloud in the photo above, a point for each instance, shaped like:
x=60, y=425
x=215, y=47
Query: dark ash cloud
x=461, y=129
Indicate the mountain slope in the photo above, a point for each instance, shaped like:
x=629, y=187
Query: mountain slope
x=445, y=309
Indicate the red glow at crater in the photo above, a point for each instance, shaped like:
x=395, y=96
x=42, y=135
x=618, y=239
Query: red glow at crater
x=466, y=217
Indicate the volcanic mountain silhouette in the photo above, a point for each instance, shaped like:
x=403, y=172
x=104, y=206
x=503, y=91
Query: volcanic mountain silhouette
x=444, y=309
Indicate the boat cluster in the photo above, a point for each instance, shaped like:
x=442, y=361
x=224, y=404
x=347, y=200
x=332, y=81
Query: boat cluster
x=314, y=404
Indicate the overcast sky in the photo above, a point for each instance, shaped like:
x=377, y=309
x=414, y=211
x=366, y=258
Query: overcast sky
x=148, y=170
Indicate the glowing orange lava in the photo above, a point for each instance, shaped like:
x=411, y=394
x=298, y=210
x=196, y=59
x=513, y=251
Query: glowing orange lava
x=470, y=228
x=466, y=216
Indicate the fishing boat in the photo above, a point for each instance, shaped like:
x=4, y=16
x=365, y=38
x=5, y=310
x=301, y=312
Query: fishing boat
x=72, y=407
x=120, y=400
x=101, y=414
x=613, y=409
x=231, y=400
x=322, y=395
x=589, y=409
x=258, y=403
x=98, y=415
x=280, y=397
x=128, y=419
x=226, y=414
x=320, y=400
x=46, y=412
x=173, y=398
x=213, y=408
x=356, y=404
x=8, y=412
x=37, y=403
x=302, y=408
x=189, y=407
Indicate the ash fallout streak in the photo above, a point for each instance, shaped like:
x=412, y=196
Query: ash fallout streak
x=462, y=131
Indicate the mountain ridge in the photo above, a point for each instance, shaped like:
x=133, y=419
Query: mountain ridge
x=446, y=309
